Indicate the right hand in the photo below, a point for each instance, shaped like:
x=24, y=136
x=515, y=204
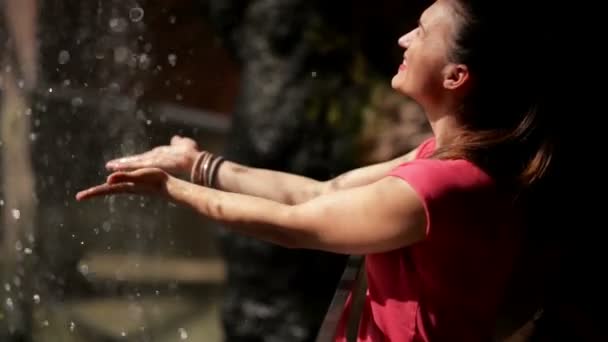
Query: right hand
x=176, y=158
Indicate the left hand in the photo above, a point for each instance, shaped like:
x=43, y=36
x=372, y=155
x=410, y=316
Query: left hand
x=148, y=181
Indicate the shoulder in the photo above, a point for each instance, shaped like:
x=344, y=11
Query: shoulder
x=442, y=175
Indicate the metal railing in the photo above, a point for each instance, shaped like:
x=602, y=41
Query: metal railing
x=353, y=282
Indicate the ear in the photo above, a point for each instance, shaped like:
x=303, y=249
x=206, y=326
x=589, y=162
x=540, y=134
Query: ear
x=455, y=76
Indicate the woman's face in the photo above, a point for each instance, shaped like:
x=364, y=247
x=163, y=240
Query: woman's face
x=422, y=74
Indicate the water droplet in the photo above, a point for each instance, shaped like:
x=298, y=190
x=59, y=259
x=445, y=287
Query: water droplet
x=172, y=19
x=16, y=214
x=183, y=334
x=64, y=57
x=45, y=323
x=313, y=74
x=27, y=251
x=9, y=304
x=50, y=90
x=121, y=54
x=82, y=243
x=136, y=14
x=21, y=84
x=96, y=231
x=72, y=326
x=84, y=269
x=77, y=101
x=114, y=87
x=144, y=61
x=118, y=25
x=157, y=292
x=33, y=136
x=106, y=227
x=37, y=299
x=148, y=122
x=172, y=59
x=7, y=287
x=1, y=201
x=123, y=334
x=18, y=245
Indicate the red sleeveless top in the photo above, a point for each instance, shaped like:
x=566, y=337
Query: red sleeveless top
x=447, y=287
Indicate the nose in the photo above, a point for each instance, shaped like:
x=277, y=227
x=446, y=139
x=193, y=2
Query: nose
x=406, y=39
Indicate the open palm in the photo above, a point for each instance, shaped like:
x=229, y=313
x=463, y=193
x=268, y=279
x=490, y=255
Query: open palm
x=176, y=158
x=148, y=181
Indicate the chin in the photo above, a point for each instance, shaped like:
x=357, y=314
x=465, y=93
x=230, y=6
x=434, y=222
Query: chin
x=398, y=82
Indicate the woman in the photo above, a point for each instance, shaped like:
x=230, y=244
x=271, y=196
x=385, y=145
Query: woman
x=441, y=226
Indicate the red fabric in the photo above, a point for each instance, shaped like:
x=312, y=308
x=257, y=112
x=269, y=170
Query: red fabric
x=449, y=286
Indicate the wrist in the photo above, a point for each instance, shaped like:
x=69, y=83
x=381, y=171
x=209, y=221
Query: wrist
x=190, y=159
x=205, y=169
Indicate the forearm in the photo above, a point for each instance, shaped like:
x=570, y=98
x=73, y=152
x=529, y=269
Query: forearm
x=257, y=217
x=337, y=222
x=294, y=189
x=276, y=186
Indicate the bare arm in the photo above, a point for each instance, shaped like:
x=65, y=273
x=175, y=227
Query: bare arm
x=294, y=189
x=378, y=217
x=178, y=157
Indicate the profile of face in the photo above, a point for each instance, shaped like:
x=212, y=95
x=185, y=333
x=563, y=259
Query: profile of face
x=426, y=73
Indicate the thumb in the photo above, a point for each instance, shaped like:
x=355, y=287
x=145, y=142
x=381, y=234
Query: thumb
x=120, y=177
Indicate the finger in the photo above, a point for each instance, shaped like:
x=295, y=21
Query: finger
x=130, y=163
x=105, y=189
x=176, y=139
x=122, y=177
x=144, y=175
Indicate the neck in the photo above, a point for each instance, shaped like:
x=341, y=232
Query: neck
x=444, y=124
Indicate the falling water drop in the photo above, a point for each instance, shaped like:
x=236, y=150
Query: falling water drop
x=84, y=269
x=118, y=25
x=136, y=14
x=9, y=304
x=72, y=326
x=172, y=59
x=183, y=334
x=37, y=299
x=77, y=101
x=64, y=57
x=16, y=214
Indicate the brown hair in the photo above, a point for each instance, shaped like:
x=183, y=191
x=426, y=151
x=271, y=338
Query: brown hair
x=509, y=130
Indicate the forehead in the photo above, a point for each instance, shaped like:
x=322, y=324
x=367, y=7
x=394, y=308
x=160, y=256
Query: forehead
x=438, y=15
